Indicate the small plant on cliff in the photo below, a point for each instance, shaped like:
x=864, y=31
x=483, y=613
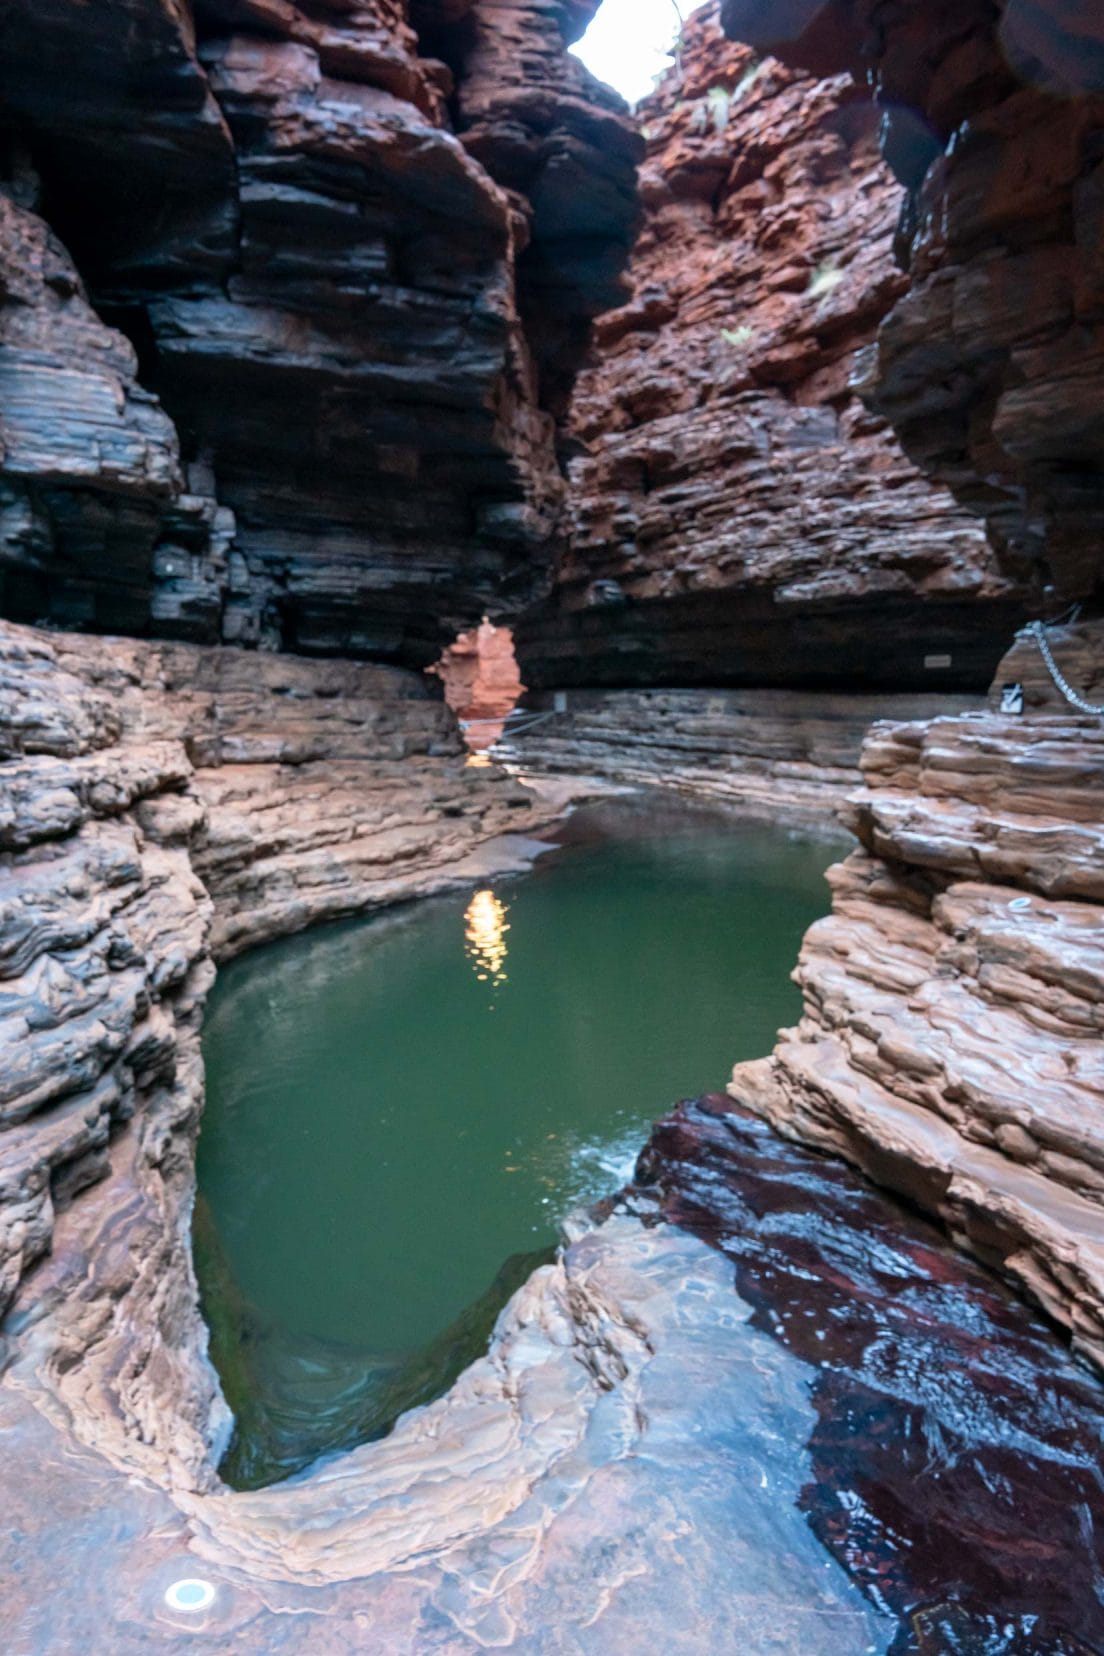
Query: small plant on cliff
x=718, y=102
x=738, y=336
x=748, y=78
x=824, y=278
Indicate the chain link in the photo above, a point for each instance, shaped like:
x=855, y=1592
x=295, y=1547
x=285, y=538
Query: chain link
x=1039, y=632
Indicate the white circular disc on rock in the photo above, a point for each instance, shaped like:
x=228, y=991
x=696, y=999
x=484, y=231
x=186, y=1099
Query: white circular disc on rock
x=190, y=1595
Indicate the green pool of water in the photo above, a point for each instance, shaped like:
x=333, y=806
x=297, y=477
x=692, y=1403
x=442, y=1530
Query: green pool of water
x=401, y=1110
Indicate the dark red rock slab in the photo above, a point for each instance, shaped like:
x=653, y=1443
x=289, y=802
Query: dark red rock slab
x=956, y=1457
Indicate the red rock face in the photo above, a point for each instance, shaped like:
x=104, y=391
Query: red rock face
x=331, y=291
x=991, y=367
x=736, y=515
x=482, y=682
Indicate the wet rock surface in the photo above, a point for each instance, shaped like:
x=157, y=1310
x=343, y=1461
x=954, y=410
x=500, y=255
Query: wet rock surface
x=956, y=1455
x=789, y=1394
x=617, y=1435
x=736, y=515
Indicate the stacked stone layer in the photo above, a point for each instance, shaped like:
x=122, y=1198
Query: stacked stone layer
x=787, y=756
x=991, y=366
x=951, y=1036
x=736, y=515
x=163, y=806
x=335, y=256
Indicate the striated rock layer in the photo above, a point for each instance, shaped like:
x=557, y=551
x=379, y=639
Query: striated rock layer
x=97, y=516
x=954, y=999
x=334, y=255
x=788, y=756
x=161, y=807
x=991, y=366
x=736, y=516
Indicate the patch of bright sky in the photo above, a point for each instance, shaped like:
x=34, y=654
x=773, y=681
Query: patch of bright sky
x=630, y=43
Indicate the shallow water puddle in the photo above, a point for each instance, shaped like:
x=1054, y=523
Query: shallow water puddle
x=401, y=1110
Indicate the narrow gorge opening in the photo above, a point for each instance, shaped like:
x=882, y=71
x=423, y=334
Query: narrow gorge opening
x=482, y=682
x=401, y=1112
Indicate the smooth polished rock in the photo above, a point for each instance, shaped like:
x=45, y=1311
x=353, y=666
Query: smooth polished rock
x=957, y=1447
x=624, y=1380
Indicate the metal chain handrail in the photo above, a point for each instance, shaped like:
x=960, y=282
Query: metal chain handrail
x=1039, y=631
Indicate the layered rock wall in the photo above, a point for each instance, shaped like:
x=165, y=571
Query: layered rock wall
x=736, y=516
x=950, y=1042
x=98, y=520
x=951, y=1036
x=330, y=295
x=161, y=807
x=991, y=366
x=786, y=756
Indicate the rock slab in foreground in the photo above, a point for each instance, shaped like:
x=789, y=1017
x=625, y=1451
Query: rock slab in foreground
x=628, y=1430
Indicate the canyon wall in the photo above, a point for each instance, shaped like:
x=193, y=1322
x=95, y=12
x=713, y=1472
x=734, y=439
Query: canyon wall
x=164, y=806
x=954, y=999
x=355, y=282
x=950, y=1042
x=789, y=756
x=736, y=516
x=991, y=365
x=291, y=377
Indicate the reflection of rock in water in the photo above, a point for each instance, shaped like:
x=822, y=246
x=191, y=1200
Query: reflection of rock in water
x=296, y=1398
x=956, y=1459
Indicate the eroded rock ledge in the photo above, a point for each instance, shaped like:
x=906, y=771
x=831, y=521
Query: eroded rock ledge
x=784, y=756
x=161, y=807
x=954, y=1000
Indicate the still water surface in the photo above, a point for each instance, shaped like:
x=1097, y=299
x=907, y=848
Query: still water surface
x=401, y=1110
